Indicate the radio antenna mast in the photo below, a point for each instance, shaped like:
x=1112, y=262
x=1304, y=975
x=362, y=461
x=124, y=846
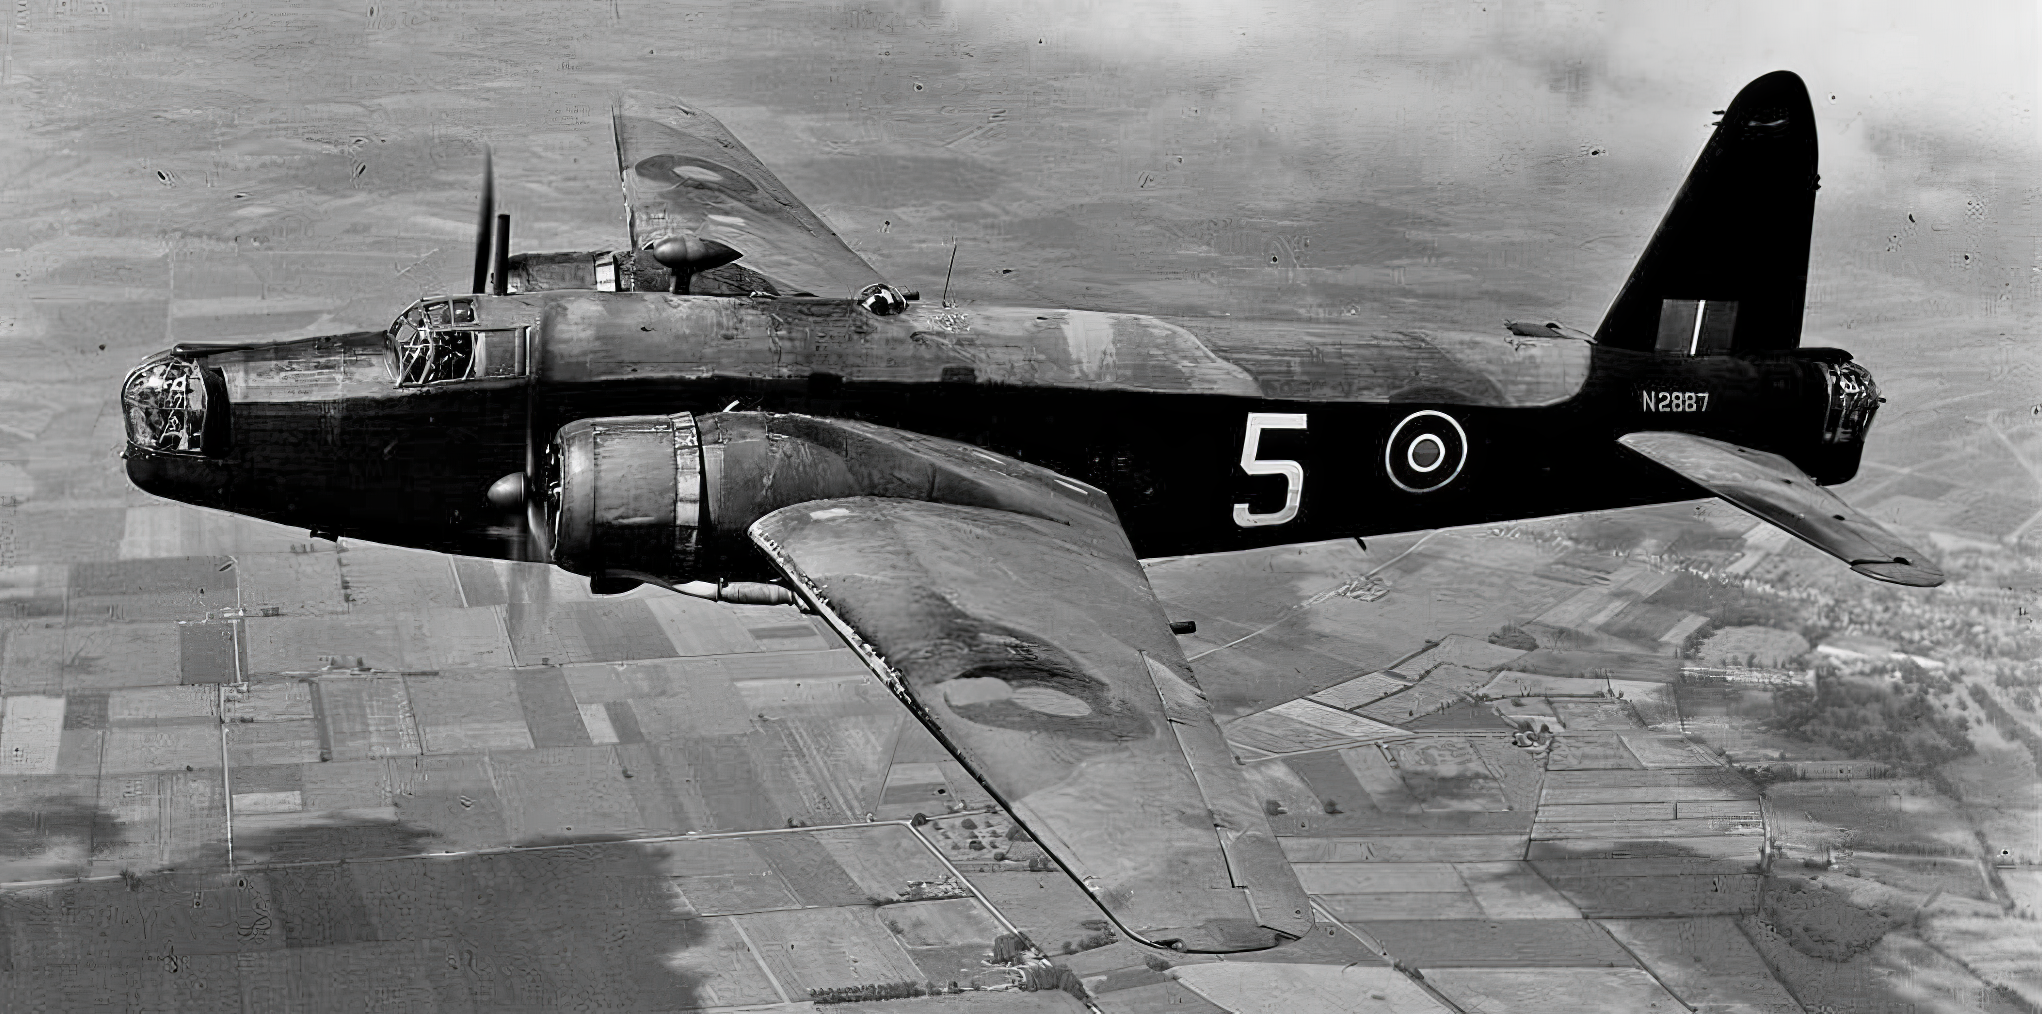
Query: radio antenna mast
x=946, y=273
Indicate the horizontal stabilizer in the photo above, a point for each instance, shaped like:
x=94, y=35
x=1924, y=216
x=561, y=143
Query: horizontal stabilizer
x=1772, y=488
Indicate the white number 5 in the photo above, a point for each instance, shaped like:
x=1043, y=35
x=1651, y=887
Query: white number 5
x=1292, y=472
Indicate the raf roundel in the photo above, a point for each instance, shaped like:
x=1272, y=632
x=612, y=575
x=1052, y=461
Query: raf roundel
x=678, y=171
x=1426, y=451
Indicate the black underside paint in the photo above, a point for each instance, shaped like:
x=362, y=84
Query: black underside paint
x=413, y=471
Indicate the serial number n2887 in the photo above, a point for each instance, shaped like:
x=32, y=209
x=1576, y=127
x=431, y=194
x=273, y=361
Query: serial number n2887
x=1675, y=401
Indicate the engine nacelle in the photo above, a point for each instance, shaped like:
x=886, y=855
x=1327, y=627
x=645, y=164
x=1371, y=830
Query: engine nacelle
x=628, y=499
x=668, y=499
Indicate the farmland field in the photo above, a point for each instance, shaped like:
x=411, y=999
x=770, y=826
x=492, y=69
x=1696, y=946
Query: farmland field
x=1046, y=906
x=1704, y=961
x=828, y=947
x=1519, y=943
x=1554, y=990
x=883, y=860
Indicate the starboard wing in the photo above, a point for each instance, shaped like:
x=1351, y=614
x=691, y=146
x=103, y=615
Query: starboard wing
x=686, y=175
x=1034, y=649
x=1772, y=488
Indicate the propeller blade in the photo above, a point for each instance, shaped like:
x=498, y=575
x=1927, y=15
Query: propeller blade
x=539, y=533
x=530, y=598
x=499, y=258
x=527, y=494
x=484, y=221
x=538, y=513
x=511, y=495
x=531, y=584
x=538, y=483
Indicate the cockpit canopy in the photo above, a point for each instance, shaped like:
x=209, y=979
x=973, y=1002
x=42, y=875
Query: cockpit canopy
x=436, y=342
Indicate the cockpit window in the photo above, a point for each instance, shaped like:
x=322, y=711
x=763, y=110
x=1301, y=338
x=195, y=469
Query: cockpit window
x=431, y=347
x=429, y=356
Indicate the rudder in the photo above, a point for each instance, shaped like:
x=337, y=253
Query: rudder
x=1727, y=269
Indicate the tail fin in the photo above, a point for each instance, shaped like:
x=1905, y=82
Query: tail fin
x=1727, y=272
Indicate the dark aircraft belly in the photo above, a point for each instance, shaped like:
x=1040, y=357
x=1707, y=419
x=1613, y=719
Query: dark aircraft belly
x=1178, y=468
x=1184, y=471
x=1173, y=463
x=405, y=471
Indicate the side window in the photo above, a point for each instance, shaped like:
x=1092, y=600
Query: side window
x=437, y=356
x=500, y=352
x=454, y=355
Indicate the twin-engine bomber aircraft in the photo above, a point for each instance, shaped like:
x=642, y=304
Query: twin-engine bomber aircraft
x=738, y=406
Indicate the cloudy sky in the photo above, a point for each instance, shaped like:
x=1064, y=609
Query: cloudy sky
x=1583, y=107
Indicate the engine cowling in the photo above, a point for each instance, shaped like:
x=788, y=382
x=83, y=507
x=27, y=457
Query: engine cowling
x=628, y=499
x=668, y=499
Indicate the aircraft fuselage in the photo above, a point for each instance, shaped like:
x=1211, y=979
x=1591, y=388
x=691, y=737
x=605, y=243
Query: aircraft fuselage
x=1208, y=435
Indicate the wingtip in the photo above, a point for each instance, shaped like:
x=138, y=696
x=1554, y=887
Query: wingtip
x=1900, y=570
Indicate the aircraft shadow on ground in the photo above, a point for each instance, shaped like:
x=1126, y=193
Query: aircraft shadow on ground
x=356, y=906
x=1714, y=936
x=55, y=836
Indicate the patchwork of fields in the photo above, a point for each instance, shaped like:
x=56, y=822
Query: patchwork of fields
x=264, y=771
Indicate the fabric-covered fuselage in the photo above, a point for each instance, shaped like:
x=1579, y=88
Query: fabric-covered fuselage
x=1209, y=435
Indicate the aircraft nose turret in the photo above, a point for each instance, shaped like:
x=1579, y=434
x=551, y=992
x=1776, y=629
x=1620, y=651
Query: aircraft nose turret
x=179, y=427
x=173, y=405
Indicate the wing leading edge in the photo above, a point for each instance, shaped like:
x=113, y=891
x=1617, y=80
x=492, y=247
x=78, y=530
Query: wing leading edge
x=1772, y=488
x=1036, y=652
